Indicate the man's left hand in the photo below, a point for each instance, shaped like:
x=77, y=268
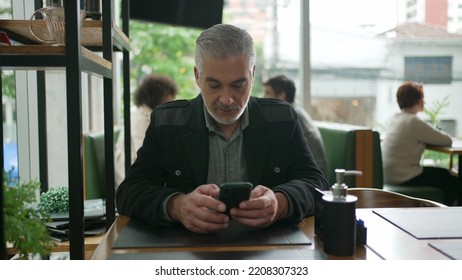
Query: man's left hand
x=262, y=209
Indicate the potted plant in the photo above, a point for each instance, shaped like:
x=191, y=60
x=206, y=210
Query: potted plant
x=23, y=223
x=55, y=200
x=433, y=112
x=435, y=109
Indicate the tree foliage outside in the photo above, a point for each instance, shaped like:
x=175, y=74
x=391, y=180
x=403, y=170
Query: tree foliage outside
x=8, y=84
x=7, y=76
x=163, y=49
x=169, y=50
x=5, y=11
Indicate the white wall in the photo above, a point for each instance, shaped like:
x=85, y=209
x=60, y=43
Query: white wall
x=432, y=92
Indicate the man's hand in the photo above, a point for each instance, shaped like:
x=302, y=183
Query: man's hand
x=199, y=211
x=262, y=209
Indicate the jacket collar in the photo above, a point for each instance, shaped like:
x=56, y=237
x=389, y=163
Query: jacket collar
x=257, y=141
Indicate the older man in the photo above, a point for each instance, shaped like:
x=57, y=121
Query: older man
x=223, y=135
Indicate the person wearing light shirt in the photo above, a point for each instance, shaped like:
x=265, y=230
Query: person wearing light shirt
x=154, y=89
x=405, y=142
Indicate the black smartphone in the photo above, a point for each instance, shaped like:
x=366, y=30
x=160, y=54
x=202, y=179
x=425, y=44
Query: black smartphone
x=233, y=193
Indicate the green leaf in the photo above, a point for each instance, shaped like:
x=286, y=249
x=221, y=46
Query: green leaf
x=435, y=109
x=55, y=200
x=24, y=227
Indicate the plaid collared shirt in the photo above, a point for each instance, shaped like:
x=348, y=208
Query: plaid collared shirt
x=227, y=161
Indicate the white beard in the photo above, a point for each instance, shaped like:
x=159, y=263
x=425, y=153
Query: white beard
x=230, y=120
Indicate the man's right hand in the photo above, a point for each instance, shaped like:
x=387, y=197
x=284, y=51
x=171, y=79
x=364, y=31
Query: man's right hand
x=199, y=211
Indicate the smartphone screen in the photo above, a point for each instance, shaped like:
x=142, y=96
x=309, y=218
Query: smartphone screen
x=233, y=193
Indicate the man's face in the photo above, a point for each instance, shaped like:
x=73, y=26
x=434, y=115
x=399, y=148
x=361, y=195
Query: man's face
x=225, y=85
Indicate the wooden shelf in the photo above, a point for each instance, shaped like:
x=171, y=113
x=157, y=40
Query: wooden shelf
x=43, y=57
x=31, y=50
x=91, y=32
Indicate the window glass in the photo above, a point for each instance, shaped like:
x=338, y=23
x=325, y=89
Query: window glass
x=10, y=156
x=275, y=28
x=362, y=50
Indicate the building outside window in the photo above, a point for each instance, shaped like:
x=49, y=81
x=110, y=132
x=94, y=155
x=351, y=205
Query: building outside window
x=428, y=70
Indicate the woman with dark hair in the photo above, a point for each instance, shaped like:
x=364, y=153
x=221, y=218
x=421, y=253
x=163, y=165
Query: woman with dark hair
x=405, y=142
x=154, y=90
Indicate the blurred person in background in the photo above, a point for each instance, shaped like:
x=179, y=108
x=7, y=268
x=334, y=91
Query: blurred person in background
x=406, y=140
x=283, y=88
x=155, y=89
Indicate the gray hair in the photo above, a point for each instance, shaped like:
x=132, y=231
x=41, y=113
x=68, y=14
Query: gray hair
x=223, y=41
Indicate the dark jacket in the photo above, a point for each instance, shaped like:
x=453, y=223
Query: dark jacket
x=174, y=158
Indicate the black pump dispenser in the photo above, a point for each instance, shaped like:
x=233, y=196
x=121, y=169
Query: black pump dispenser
x=339, y=217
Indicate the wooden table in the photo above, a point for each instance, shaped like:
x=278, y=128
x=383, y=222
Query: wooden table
x=454, y=150
x=91, y=243
x=384, y=241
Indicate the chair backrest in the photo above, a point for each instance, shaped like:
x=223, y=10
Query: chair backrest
x=354, y=148
x=359, y=148
x=95, y=164
x=376, y=198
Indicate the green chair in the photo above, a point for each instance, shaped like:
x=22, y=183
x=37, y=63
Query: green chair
x=353, y=148
x=95, y=164
x=359, y=148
